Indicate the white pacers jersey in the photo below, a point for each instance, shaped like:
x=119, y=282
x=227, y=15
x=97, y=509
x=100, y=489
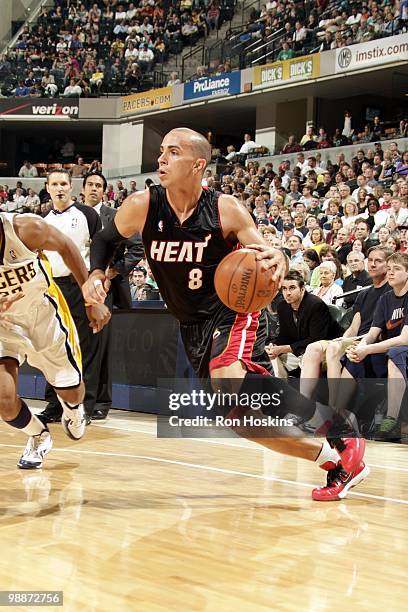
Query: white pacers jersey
x=20, y=268
x=40, y=327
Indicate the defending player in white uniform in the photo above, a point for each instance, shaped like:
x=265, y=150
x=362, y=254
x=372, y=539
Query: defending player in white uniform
x=35, y=324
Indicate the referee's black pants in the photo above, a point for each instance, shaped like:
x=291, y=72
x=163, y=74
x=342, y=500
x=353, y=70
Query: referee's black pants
x=88, y=341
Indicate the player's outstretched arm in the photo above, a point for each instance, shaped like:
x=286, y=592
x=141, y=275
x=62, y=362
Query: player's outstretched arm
x=38, y=235
x=238, y=224
x=129, y=220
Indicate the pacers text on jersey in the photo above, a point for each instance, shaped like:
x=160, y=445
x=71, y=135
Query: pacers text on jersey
x=11, y=280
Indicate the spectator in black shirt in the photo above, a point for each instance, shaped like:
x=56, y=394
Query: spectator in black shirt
x=358, y=278
x=303, y=319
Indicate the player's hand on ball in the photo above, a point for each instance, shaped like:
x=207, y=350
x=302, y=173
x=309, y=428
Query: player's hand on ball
x=98, y=315
x=271, y=258
x=96, y=288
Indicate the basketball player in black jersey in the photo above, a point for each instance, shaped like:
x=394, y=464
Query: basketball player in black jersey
x=186, y=231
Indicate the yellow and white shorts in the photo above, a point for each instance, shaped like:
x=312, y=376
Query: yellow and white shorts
x=46, y=336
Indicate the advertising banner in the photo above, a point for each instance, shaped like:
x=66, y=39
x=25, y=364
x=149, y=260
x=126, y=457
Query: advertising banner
x=156, y=99
x=373, y=53
x=40, y=107
x=296, y=69
x=227, y=84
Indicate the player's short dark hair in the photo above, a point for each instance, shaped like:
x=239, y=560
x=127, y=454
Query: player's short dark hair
x=95, y=173
x=59, y=171
x=297, y=277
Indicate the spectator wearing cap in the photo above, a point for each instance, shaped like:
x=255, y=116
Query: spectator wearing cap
x=288, y=231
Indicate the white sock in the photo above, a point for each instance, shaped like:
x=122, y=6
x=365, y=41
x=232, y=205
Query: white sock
x=67, y=406
x=328, y=454
x=323, y=413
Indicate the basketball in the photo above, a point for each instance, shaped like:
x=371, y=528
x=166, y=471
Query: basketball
x=242, y=284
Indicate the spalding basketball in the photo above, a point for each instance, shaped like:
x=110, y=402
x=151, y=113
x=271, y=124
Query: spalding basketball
x=241, y=282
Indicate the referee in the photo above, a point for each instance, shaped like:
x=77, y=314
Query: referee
x=80, y=223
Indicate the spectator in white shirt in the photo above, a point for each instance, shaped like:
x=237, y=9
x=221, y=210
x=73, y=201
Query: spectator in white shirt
x=301, y=162
x=146, y=57
x=354, y=18
x=120, y=13
x=73, y=90
x=173, y=80
x=32, y=200
x=299, y=34
x=311, y=164
x=131, y=52
x=27, y=170
x=19, y=199
x=248, y=145
x=397, y=212
x=131, y=12
x=361, y=184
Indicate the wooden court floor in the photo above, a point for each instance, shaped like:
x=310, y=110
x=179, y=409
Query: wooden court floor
x=123, y=521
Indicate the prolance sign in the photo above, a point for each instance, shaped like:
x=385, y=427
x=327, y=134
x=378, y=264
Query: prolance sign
x=39, y=107
x=297, y=69
x=224, y=85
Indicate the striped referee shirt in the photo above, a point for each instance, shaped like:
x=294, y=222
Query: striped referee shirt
x=78, y=222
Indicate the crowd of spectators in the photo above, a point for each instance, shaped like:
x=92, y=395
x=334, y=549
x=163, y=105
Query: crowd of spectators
x=343, y=226
x=305, y=27
x=370, y=132
x=24, y=199
x=83, y=48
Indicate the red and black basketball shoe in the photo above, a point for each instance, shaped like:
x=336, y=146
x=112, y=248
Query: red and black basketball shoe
x=351, y=451
x=339, y=481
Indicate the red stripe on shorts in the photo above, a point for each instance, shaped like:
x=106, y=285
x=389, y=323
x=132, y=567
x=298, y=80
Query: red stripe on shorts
x=240, y=344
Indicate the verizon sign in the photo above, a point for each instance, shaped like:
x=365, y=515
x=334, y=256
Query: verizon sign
x=39, y=107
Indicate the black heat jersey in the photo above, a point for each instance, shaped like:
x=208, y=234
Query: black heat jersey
x=183, y=257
